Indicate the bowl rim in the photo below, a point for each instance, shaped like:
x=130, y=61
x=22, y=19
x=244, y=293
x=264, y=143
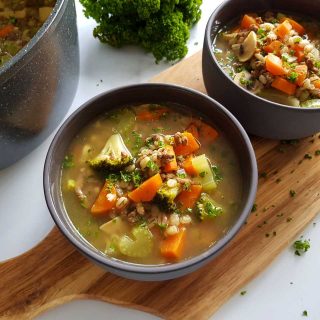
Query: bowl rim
x=154, y=268
x=27, y=51
x=209, y=41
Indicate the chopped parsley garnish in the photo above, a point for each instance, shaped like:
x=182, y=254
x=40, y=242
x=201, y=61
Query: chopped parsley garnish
x=242, y=293
x=297, y=40
x=254, y=207
x=305, y=313
x=308, y=156
x=301, y=246
x=181, y=175
x=186, y=186
x=317, y=152
x=202, y=174
x=152, y=165
x=68, y=162
x=292, y=77
x=263, y=175
x=216, y=173
x=261, y=33
x=292, y=193
x=138, y=141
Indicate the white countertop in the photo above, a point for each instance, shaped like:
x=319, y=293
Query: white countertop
x=282, y=292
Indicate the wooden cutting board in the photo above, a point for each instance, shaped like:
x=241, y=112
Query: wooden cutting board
x=53, y=272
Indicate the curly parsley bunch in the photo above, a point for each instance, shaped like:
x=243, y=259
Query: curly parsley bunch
x=159, y=26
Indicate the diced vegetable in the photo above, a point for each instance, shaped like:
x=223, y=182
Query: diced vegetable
x=298, y=52
x=206, y=207
x=105, y=201
x=165, y=197
x=203, y=132
x=152, y=115
x=302, y=71
x=147, y=190
x=172, y=165
x=312, y=103
x=283, y=29
x=71, y=184
x=204, y=173
x=193, y=129
x=172, y=246
x=279, y=97
x=140, y=246
x=116, y=226
x=6, y=30
x=316, y=84
x=297, y=26
x=114, y=156
x=247, y=21
x=187, y=198
x=274, y=65
x=208, y=133
x=191, y=146
x=273, y=47
x=284, y=85
x=188, y=166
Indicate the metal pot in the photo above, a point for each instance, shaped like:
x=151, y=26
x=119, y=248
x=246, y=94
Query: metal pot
x=38, y=84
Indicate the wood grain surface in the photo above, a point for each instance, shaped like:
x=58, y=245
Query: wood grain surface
x=53, y=272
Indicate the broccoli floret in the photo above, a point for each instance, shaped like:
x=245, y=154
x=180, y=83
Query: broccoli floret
x=114, y=156
x=159, y=26
x=165, y=197
x=207, y=208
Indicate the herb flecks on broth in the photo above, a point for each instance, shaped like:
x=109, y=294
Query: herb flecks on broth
x=151, y=196
x=273, y=55
x=19, y=22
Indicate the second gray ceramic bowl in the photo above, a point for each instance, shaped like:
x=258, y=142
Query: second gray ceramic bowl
x=258, y=116
x=38, y=84
x=136, y=94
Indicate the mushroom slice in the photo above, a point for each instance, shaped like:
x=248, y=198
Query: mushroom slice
x=247, y=48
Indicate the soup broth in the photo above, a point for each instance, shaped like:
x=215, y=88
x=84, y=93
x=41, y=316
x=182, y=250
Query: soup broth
x=147, y=130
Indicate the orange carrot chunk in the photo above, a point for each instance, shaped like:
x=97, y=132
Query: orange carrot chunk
x=297, y=26
x=316, y=84
x=273, y=47
x=6, y=30
x=247, y=21
x=188, y=198
x=172, y=165
x=284, y=86
x=172, y=247
x=207, y=133
x=299, y=53
x=152, y=115
x=191, y=146
x=193, y=129
x=188, y=166
x=302, y=71
x=274, y=65
x=283, y=29
x=147, y=190
x=105, y=201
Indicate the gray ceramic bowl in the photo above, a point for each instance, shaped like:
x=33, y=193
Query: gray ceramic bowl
x=38, y=84
x=258, y=116
x=147, y=93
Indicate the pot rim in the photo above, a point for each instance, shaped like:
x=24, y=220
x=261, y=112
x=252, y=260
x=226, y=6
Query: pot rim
x=140, y=268
x=208, y=43
x=26, y=53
